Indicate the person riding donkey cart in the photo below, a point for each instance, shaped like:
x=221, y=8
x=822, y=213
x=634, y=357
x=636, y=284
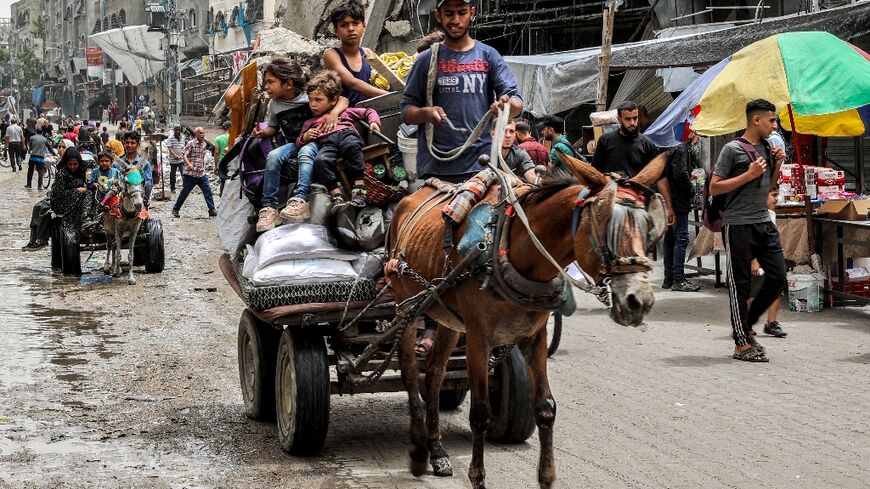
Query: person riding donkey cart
x=470, y=79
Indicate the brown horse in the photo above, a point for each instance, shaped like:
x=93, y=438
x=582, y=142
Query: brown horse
x=489, y=321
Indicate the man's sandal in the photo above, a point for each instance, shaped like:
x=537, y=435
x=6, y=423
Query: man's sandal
x=751, y=355
x=750, y=338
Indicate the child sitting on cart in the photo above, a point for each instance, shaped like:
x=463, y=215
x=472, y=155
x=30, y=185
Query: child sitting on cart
x=104, y=176
x=284, y=80
x=343, y=141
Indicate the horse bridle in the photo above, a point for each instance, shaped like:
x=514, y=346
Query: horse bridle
x=125, y=190
x=603, y=240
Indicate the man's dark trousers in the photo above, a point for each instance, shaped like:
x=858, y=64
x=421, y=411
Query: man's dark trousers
x=674, y=248
x=744, y=242
x=188, y=182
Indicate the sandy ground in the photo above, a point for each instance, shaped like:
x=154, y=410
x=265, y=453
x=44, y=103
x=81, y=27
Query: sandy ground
x=110, y=385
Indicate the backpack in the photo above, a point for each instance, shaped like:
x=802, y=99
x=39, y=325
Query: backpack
x=714, y=206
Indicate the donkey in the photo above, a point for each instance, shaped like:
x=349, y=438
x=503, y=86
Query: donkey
x=610, y=242
x=124, y=216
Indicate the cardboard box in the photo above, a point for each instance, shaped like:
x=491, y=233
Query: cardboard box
x=846, y=210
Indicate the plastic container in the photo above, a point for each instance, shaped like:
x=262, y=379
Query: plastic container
x=805, y=292
x=408, y=147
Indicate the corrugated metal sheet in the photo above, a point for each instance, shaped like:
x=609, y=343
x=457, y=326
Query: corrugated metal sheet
x=643, y=87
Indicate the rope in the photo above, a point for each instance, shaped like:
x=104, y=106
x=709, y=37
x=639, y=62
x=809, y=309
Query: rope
x=603, y=293
x=429, y=129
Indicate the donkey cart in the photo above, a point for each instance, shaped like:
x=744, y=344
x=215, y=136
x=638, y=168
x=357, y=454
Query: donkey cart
x=66, y=248
x=292, y=358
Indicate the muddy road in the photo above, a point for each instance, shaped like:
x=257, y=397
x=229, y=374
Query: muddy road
x=110, y=385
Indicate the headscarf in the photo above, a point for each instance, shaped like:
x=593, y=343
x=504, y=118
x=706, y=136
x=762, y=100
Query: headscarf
x=72, y=154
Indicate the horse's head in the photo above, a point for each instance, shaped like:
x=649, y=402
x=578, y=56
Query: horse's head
x=131, y=189
x=619, y=221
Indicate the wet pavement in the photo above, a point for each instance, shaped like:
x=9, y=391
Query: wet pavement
x=103, y=384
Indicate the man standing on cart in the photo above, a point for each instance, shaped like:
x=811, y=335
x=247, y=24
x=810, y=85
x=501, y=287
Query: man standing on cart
x=471, y=78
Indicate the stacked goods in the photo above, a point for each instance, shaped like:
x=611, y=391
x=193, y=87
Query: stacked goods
x=791, y=183
x=297, y=254
x=829, y=184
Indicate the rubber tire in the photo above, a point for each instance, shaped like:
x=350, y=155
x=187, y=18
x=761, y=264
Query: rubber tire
x=554, y=338
x=56, y=259
x=511, y=401
x=155, y=258
x=70, y=256
x=451, y=399
x=302, y=393
x=257, y=354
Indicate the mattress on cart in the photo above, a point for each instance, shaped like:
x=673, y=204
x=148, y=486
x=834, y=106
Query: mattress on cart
x=259, y=298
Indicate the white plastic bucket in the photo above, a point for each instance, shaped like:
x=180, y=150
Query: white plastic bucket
x=408, y=147
x=805, y=293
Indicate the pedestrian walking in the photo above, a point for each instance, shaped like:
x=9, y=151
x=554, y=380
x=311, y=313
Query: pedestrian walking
x=220, y=149
x=743, y=173
x=15, y=143
x=39, y=149
x=174, y=146
x=681, y=161
x=193, y=174
x=538, y=152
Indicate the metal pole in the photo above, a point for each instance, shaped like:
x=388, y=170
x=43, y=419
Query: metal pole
x=604, y=57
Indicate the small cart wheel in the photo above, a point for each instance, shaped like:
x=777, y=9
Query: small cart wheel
x=257, y=350
x=511, y=401
x=302, y=393
x=451, y=399
x=154, y=252
x=70, y=257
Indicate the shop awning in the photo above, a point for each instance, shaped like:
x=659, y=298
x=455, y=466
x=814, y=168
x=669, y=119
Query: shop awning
x=556, y=82
x=138, y=53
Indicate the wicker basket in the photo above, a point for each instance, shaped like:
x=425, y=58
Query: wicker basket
x=378, y=193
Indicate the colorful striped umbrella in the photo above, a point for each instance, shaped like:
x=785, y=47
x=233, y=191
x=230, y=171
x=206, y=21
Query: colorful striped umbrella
x=817, y=80
x=823, y=80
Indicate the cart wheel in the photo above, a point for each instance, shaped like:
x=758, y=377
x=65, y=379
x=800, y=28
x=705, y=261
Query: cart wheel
x=153, y=250
x=450, y=400
x=511, y=401
x=302, y=393
x=258, y=347
x=56, y=259
x=554, y=333
x=70, y=257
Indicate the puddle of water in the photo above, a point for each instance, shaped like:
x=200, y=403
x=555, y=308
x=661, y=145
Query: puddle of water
x=33, y=336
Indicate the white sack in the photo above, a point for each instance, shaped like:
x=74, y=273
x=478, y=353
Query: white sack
x=370, y=264
x=292, y=272
x=251, y=262
x=232, y=220
x=296, y=241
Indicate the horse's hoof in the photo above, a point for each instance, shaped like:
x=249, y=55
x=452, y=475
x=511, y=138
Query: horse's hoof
x=132, y=281
x=441, y=467
x=418, y=462
x=107, y=271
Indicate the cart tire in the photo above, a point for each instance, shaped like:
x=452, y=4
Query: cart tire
x=154, y=255
x=257, y=351
x=451, y=399
x=70, y=257
x=511, y=401
x=302, y=393
x=554, y=333
x=56, y=259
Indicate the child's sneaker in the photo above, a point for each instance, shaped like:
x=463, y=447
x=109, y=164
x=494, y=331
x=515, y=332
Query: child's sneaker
x=338, y=203
x=296, y=210
x=267, y=220
x=358, y=197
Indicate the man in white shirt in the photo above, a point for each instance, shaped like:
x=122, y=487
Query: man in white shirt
x=15, y=143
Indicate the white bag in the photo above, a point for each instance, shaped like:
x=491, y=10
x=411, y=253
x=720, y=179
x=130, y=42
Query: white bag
x=251, y=262
x=297, y=241
x=370, y=264
x=232, y=220
x=293, y=272
x=370, y=228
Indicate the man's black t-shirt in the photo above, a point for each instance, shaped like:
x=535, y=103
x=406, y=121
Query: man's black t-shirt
x=623, y=154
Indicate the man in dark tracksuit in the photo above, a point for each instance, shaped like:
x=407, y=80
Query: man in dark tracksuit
x=680, y=164
x=747, y=231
